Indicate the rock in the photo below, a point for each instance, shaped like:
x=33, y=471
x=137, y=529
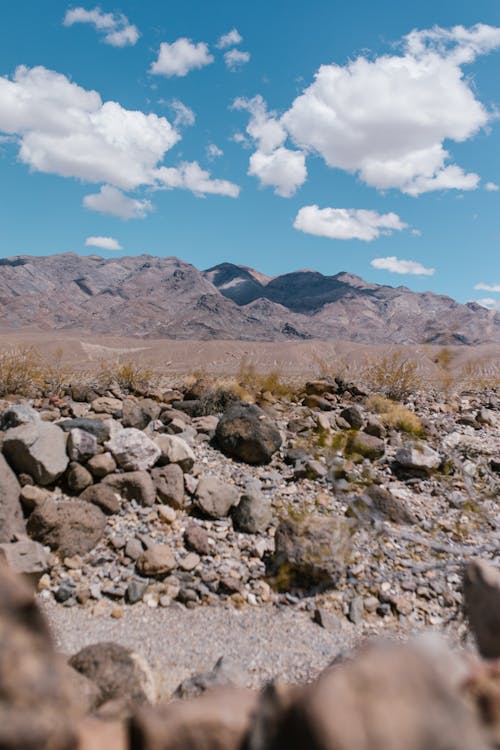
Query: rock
x=388, y=697
x=134, y=549
x=117, y=671
x=133, y=450
x=253, y=514
x=327, y=620
x=197, y=539
x=37, y=449
x=376, y=502
x=134, y=485
x=18, y=414
x=72, y=527
x=175, y=450
x=99, y=428
x=81, y=445
x=35, y=707
x=107, y=405
x=207, y=425
x=135, y=591
x=365, y=445
x=101, y=465
x=215, y=498
x=245, y=432
x=318, y=402
x=11, y=513
x=222, y=674
x=353, y=417
x=217, y=720
x=321, y=387
x=417, y=460
x=102, y=495
x=481, y=587
x=310, y=549
x=83, y=691
x=78, y=478
x=26, y=557
x=356, y=609
x=375, y=427
x=169, y=484
x=157, y=561
x=139, y=413
x=32, y=497
x=97, y=734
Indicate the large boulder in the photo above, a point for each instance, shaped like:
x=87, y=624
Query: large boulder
x=18, y=414
x=72, y=527
x=481, y=587
x=117, y=671
x=133, y=450
x=215, y=498
x=37, y=449
x=310, y=549
x=35, y=708
x=245, y=432
x=389, y=697
x=217, y=720
x=11, y=513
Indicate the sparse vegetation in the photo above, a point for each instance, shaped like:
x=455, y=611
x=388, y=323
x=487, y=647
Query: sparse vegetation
x=394, y=375
x=128, y=375
x=393, y=414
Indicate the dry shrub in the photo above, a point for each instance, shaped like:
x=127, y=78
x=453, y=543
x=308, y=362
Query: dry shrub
x=393, y=375
x=478, y=375
x=255, y=383
x=20, y=371
x=394, y=415
x=128, y=375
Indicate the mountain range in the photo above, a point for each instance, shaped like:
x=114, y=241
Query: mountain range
x=152, y=297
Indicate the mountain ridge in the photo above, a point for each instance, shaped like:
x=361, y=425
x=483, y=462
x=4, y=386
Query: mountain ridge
x=164, y=297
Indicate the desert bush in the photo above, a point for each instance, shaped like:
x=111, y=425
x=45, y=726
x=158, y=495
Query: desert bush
x=393, y=375
x=255, y=383
x=20, y=371
x=128, y=375
x=392, y=414
x=477, y=375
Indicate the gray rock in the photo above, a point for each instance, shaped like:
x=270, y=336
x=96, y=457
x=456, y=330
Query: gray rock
x=175, y=450
x=417, y=459
x=72, y=527
x=222, y=674
x=481, y=586
x=26, y=557
x=215, y=498
x=139, y=412
x=37, y=449
x=108, y=405
x=133, y=485
x=169, y=484
x=99, y=428
x=81, y=445
x=133, y=450
x=353, y=416
x=32, y=497
x=245, y=432
x=356, y=610
x=135, y=591
x=253, y=514
x=11, y=512
x=365, y=445
x=134, y=549
x=117, y=671
x=376, y=502
x=18, y=414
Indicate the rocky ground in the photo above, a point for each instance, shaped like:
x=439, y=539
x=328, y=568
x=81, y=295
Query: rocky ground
x=188, y=523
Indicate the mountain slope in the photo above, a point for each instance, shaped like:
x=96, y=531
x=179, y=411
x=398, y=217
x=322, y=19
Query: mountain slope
x=151, y=297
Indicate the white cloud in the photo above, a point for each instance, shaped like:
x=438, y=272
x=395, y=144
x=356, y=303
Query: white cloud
x=190, y=176
x=489, y=302
x=178, y=58
x=214, y=152
x=387, y=119
x=283, y=169
x=66, y=130
x=240, y=138
x=110, y=200
x=492, y=187
x=395, y=265
x=346, y=223
x=232, y=37
x=105, y=243
x=264, y=127
x=235, y=58
x=184, y=116
x=116, y=28
x=488, y=287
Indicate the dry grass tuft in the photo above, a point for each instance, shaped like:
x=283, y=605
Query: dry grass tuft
x=393, y=375
x=24, y=372
x=394, y=415
x=128, y=375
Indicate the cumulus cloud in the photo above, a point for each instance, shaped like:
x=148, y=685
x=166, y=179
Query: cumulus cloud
x=190, y=176
x=387, y=118
x=105, y=243
x=346, y=223
x=489, y=303
x=115, y=28
x=272, y=163
x=110, y=200
x=180, y=57
x=183, y=115
x=235, y=58
x=214, y=152
x=492, y=187
x=230, y=39
x=396, y=265
x=488, y=287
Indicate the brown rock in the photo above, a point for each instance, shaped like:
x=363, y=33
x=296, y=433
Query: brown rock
x=156, y=561
x=78, y=478
x=169, y=484
x=25, y=557
x=197, y=539
x=214, y=497
x=11, y=513
x=102, y=495
x=133, y=485
x=245, y=432
x=72, y=527
x=101, y=465
x=481, y=586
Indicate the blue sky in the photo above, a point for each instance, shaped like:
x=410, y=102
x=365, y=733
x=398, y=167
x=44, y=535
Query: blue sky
x=360, y=137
